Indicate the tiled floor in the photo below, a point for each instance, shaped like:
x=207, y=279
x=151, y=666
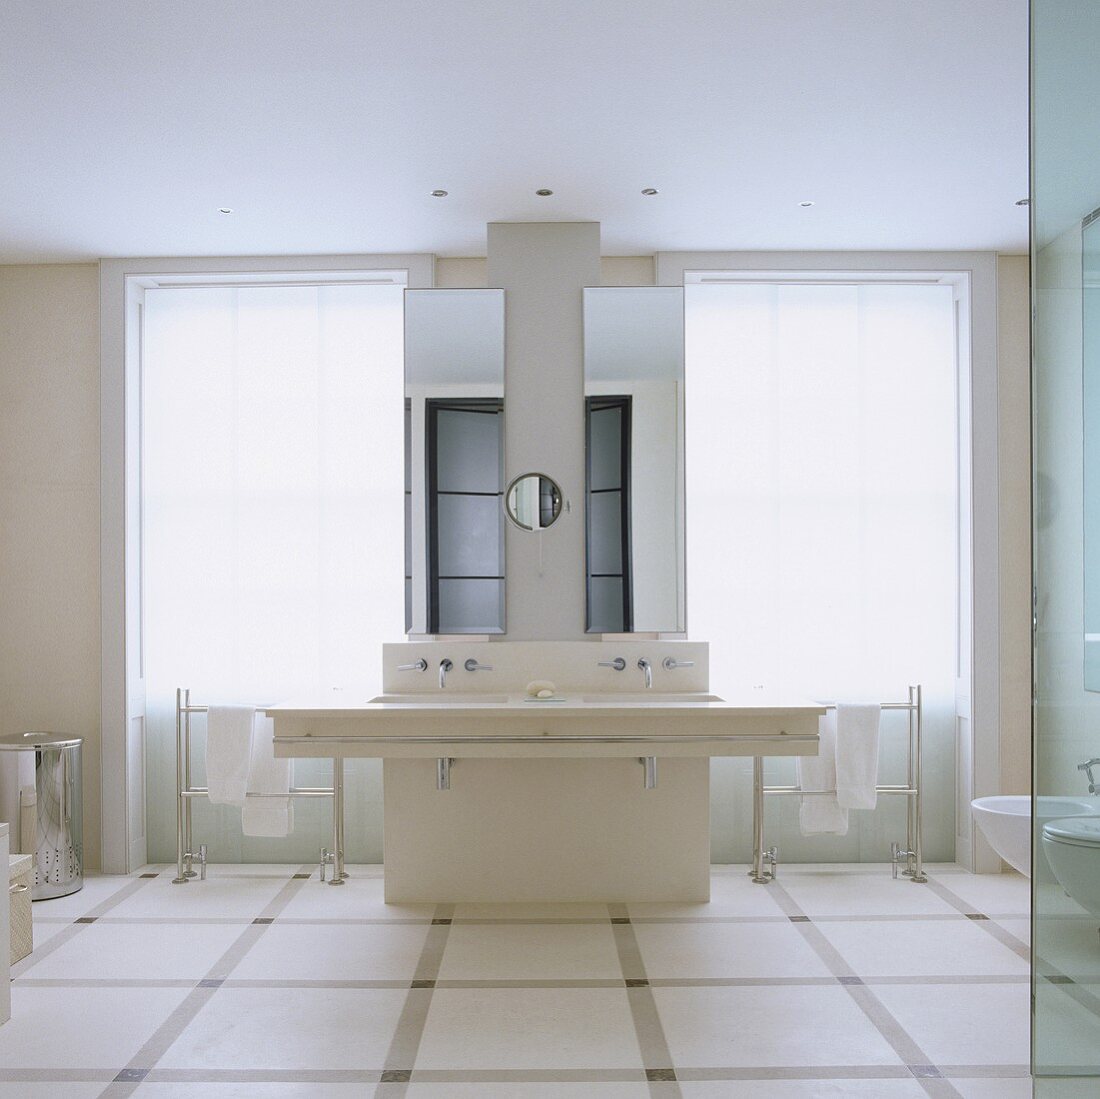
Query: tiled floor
x=261, y=983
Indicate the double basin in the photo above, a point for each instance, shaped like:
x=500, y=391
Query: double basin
x=587, y=723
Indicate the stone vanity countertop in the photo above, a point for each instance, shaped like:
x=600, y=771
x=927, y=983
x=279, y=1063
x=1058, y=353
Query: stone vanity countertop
x=580, y=703
x=346, y=723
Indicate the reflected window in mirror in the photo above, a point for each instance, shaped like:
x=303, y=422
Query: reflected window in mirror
x=454, y=408
x=634, y=492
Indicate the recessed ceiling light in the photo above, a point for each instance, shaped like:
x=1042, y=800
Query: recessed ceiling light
x=805, y=205
x=224, y=210
x=650, y=191
x=544, y=191
x=439, y=194
x=1023, y=202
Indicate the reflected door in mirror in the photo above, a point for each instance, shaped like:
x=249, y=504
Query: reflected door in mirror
x=607, y=515
x=465, y=519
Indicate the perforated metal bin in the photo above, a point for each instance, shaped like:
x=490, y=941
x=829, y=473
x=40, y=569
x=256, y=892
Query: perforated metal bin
x=40, y=797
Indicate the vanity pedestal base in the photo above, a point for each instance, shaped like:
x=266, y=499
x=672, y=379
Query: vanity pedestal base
x=547, y=830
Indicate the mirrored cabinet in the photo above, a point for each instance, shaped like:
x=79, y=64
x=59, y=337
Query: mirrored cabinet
x=634, y=459
x=454, y=461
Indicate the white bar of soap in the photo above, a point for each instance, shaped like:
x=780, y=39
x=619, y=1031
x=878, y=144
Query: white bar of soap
x=545, y=693
x=540, y=688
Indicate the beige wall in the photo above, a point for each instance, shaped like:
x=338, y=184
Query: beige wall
x=49, y=511
x=471, y=271
x=1014, y=407
x=49, y=503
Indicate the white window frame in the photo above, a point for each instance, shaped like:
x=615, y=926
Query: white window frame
x=978, y=679
x=122, y=286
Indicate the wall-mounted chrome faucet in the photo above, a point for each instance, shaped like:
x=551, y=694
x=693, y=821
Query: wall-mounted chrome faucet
x=671, y=663
x=647, y=671
x=420, y=665
x=445, y=666
x=618, y=663
x=472, y=665
x=1087, y=767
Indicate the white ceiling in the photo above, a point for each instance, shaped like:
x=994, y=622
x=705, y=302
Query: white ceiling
x=124, y=125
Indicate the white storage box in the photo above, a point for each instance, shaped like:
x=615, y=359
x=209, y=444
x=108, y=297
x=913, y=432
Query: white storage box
x=21, y=871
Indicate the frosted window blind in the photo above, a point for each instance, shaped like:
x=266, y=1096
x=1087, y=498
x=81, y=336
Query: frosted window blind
x=273, y=488
x=821, y=487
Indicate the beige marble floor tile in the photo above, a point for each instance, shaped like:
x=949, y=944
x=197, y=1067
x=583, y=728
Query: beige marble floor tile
x=727, y=950
x=923, y=948
x=338, y=952
x=529, y=1028
x=963, y=1024
x=768, y=1026
x=82, y=1027
x=530, y=952
x=301, y=1029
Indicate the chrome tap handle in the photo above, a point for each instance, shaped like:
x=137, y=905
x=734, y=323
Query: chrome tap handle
x=420, y=665
x=445, y=666
x=618, y=663
x=671, y=663
x=1087, y=767
x=647, y=670
x=472, y=665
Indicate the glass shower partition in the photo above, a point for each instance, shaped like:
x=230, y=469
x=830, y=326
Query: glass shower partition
x=1065, y=199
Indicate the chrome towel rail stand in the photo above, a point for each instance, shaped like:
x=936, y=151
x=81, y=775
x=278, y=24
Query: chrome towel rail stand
x=186, y=855
x=912, y=854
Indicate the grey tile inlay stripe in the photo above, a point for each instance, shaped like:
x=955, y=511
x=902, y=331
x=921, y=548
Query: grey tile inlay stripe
x=652, y=1042
x=169, y=1031
x=103, y=982
x=500, y=982
x=371, y=1076
x=999, y=933
x=871, y=1006
x=532, y=1076
x=986, y=1072
x=1075, y=988
x=55, y=1075
x=797, y=1072
x=407, y=1035
x=136, y=1074
x=262, y=1076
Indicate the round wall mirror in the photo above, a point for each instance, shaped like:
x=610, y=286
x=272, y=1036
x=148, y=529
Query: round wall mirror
x=533, y=501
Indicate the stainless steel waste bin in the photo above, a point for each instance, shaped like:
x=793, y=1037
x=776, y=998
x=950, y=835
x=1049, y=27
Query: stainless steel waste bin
x=40, y=798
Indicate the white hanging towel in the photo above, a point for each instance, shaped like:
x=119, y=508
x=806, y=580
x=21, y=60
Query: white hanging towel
x=822, y=812
x=857, y=729
x=228, y=750
x=266, y=775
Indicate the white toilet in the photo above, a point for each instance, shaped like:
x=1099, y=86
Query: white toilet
x=1072, y=848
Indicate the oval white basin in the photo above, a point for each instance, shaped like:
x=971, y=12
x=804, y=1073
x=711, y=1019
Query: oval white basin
x=441, y=699
x=647, y=698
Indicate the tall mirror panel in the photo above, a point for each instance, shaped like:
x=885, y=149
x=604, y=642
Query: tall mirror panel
x=634, y=460
x=454, y=461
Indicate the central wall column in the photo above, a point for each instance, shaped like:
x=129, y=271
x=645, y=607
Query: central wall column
x=543, y=268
